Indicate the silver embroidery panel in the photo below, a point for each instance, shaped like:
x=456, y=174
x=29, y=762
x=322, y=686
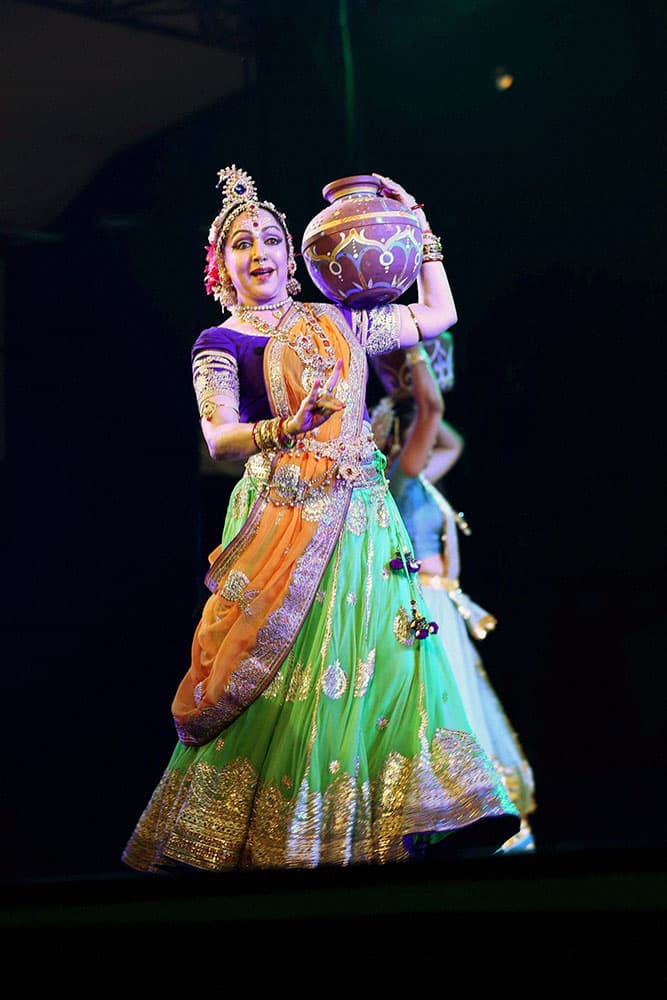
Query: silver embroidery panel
x=216, y=373
x=383, y=330
x=334, y=681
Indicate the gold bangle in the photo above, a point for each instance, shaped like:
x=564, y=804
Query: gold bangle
x=266, y=434
x=420, y=337
x=274, y=425
x=432, y=248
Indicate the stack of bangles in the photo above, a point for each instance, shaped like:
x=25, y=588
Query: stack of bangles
x=432, y=247
x=432, y=243
x=270, y=435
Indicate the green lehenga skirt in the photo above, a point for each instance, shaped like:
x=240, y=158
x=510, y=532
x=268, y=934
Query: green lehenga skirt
x=359, y=751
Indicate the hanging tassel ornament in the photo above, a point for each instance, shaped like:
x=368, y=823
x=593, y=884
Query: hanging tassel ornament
x=404, y=560
x=419, y=625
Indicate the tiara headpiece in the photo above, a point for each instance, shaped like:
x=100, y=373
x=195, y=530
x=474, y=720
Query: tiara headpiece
x=239, y=194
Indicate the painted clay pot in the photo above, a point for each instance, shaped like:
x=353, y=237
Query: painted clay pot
x=362, y=250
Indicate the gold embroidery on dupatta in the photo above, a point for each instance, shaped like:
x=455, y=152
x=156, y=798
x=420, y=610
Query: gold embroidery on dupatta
x=364, y=675
x=235, y=590
x=299, y=685
x=402, y=630
x=275, y=687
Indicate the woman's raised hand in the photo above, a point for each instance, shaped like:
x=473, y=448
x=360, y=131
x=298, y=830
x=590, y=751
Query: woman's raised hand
x=390, y=189
x=317, y=406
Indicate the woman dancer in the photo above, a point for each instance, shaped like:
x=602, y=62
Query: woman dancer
x=421, y=447
x=318, y=722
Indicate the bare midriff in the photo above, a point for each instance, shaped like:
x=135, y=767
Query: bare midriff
x=433, y=564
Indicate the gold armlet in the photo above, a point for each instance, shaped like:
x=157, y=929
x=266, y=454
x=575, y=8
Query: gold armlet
x=414, y=320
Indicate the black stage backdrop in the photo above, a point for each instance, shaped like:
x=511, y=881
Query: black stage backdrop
x=549, y=199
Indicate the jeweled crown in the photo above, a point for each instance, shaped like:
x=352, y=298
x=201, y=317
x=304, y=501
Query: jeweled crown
x=239, y=194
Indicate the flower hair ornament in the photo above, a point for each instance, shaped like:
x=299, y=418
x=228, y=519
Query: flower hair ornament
x=239, y=194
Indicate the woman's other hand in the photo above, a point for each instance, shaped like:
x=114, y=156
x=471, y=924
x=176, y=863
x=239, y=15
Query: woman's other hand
x=317, y=406
x=435, y=311
x=390, y=189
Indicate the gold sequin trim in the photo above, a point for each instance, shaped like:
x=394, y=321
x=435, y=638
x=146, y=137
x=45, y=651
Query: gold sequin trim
x=235, y=590
x=356, y=520
x=258, y=468
x=402, y=630
x=218, y=819
x=364, y=675
x=241, y=498
x=275, y=687
x=234, y=585
x=300, y=682
x=382, y=513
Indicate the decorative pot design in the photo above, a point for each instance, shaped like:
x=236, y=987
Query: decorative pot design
x=362, y=250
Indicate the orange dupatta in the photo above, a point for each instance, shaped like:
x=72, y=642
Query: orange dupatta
x=266, y=578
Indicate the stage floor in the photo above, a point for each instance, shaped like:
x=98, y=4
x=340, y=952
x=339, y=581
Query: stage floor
x=565, y=920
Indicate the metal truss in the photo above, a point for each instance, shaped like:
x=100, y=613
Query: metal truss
x=221, y=24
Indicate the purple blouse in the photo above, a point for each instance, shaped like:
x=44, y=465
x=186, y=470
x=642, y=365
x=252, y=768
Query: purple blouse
x=246, y=383
x=230, y=364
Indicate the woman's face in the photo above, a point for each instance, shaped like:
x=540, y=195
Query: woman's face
x=255, y=257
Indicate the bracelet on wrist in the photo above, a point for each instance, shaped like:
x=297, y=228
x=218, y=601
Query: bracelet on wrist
x=432, y=248
x=286, y=439
x=415, y=355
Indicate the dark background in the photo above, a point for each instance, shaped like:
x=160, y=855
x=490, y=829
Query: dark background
x=549, y=200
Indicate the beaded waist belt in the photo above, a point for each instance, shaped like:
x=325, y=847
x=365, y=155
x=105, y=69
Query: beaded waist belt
x=351, y=460
x=344, y=451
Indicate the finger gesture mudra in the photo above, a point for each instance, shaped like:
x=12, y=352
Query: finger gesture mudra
x=318, y=405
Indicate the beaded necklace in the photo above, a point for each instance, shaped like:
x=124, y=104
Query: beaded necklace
x=303, y=344
x=267, y=307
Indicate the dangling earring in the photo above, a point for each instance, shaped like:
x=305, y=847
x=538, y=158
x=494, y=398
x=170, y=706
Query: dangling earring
x=226, y=292
x=293, y=287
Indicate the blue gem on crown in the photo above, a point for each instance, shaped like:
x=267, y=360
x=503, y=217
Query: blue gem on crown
x=237, y=186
